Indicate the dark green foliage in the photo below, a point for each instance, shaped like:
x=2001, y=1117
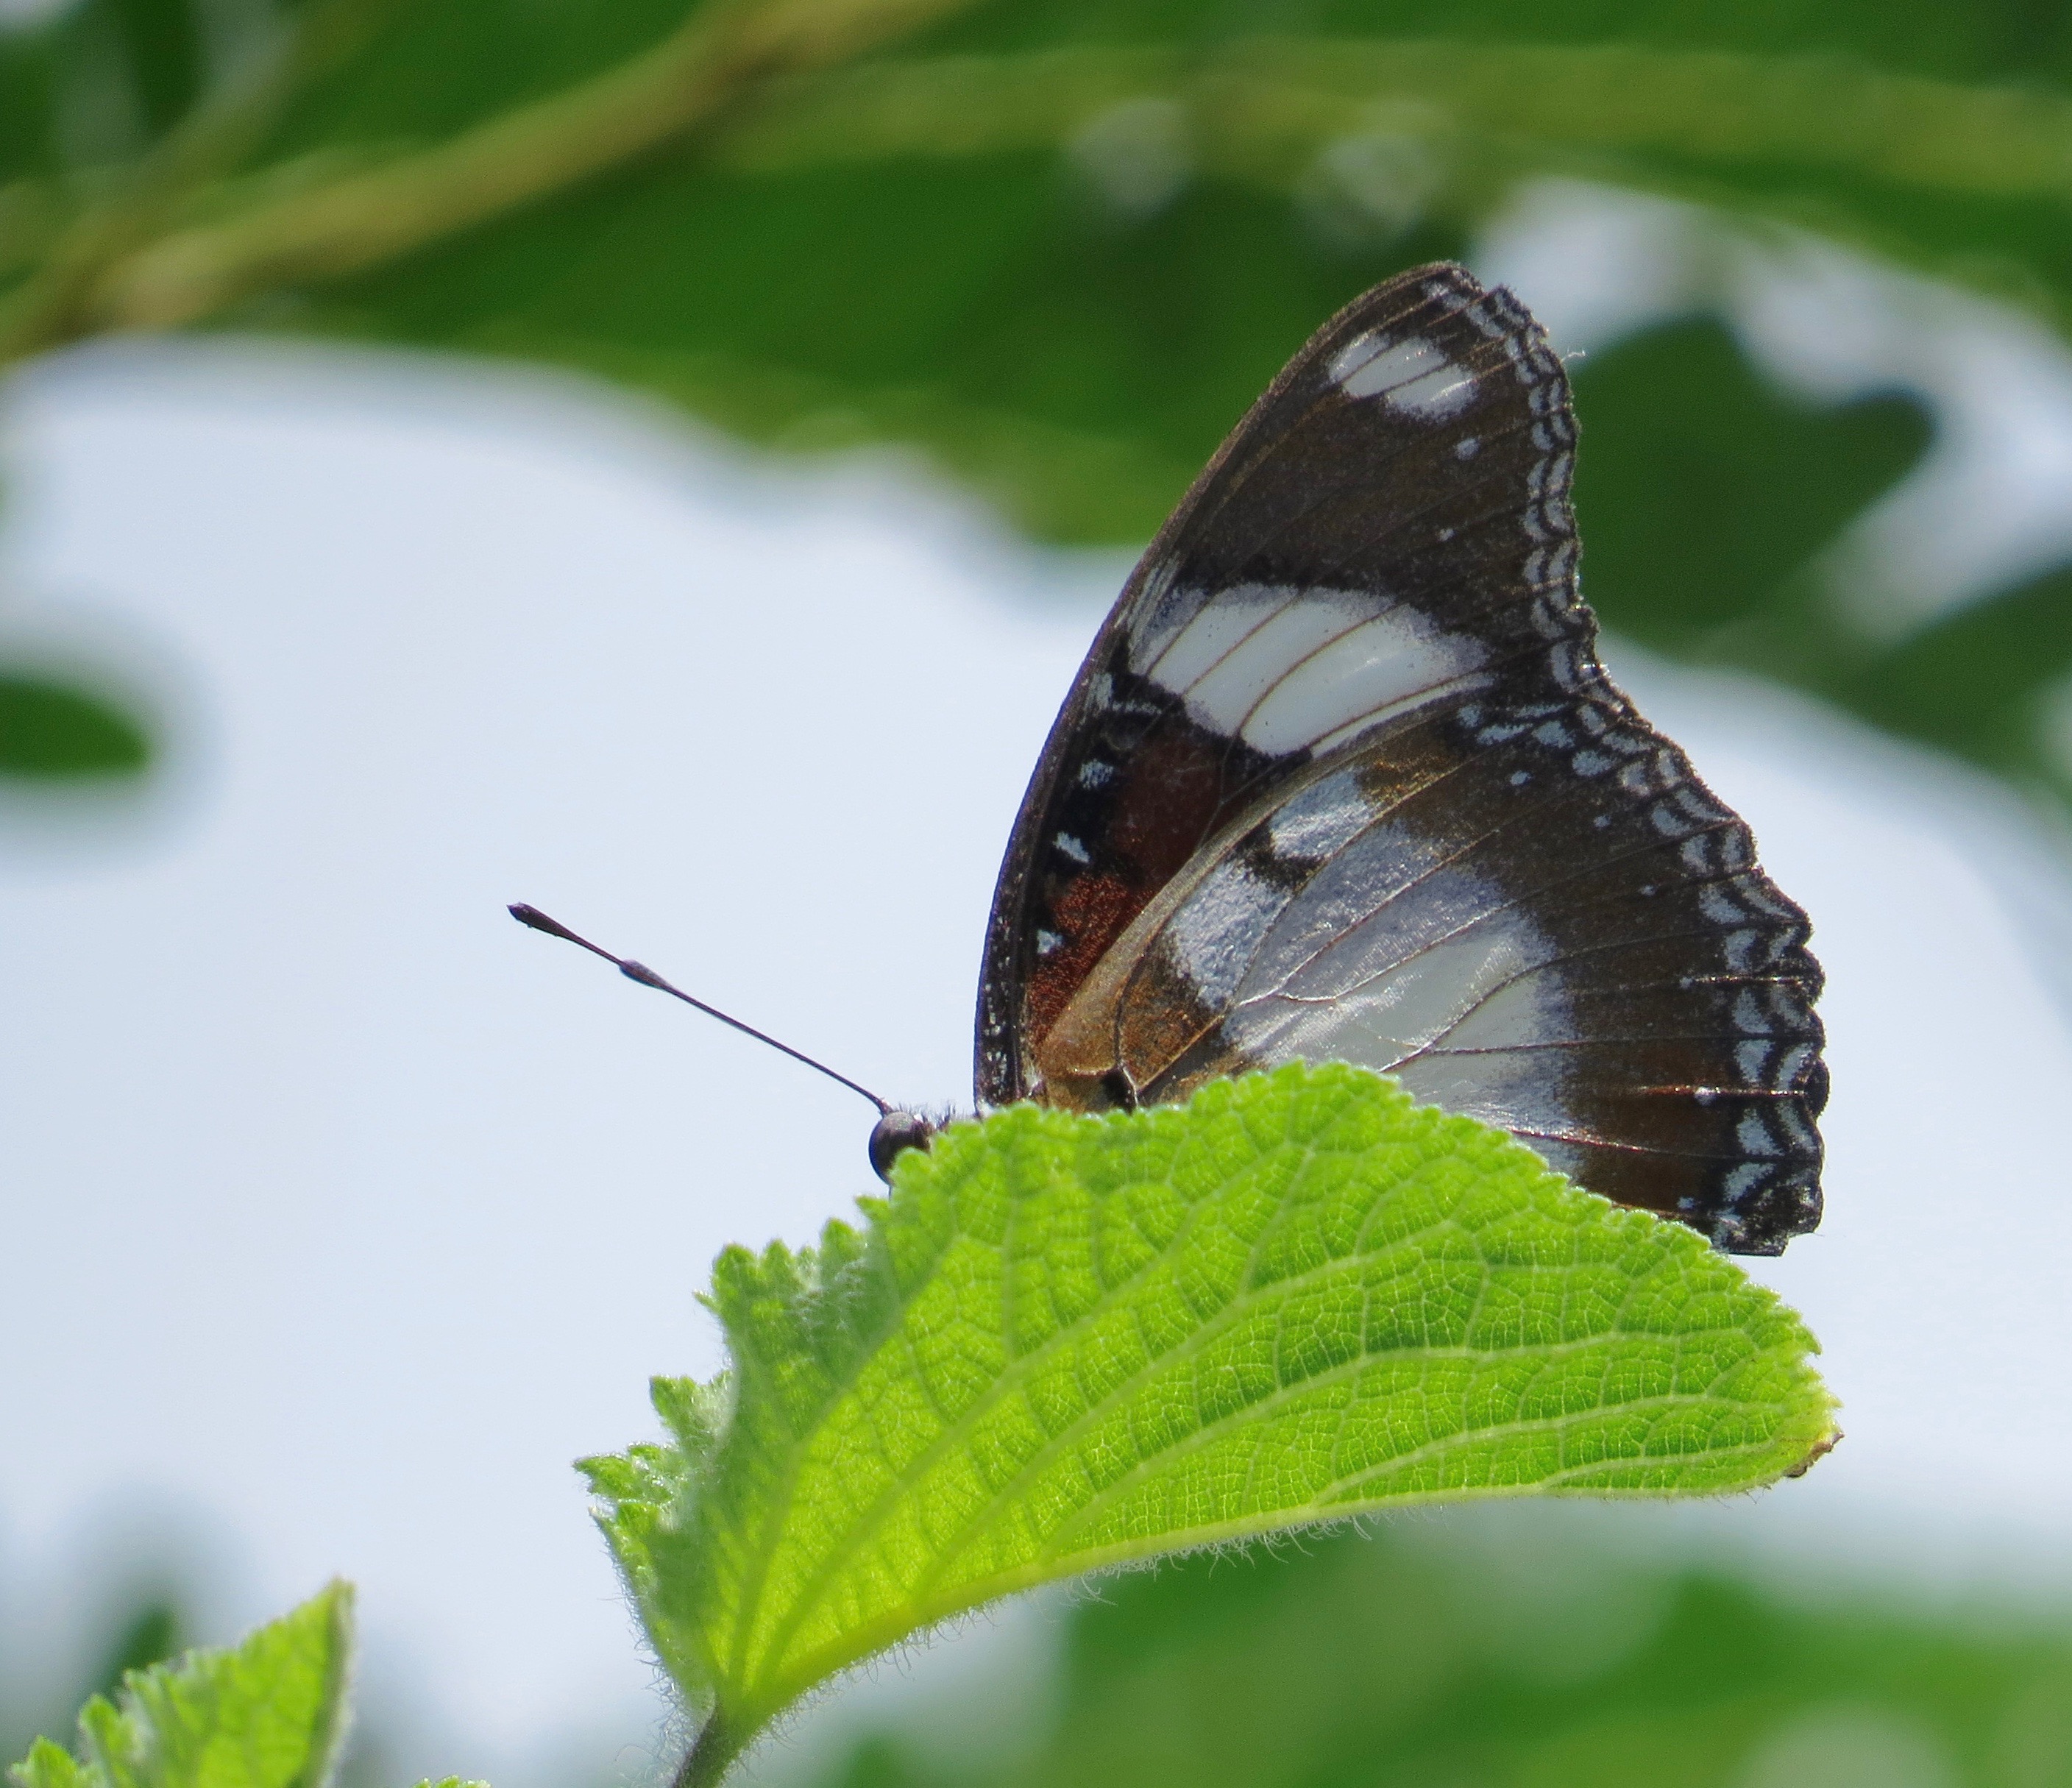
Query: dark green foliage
x=1705, y=496
x=161, y=45
x=1080, y=369
x=1703, y=491
x=1508, y=1652
x=906, y=236
x=1978, y=682
x=51, y=730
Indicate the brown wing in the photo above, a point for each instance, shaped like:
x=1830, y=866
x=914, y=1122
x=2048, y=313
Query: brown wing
x=1341, y=778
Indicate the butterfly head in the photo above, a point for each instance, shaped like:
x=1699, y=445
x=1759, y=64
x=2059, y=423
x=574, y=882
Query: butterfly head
x=893, y=1134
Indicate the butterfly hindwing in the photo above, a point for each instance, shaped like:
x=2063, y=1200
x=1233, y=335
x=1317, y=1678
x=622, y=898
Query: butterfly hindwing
x=1341, y=778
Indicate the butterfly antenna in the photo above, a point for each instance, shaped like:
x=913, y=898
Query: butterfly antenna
x=641, y=972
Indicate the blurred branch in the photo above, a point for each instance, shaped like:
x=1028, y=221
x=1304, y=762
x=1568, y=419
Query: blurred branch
x=368, y=218
x=1263, y=106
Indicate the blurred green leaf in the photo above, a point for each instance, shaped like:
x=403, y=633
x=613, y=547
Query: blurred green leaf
x=1706, y=497
x=529, y=175
x=51, y=731
x=152, y=1635
x=1703, y=493
x=1066, y=1342
x=1987, y=682
x=160, y=45
x=269, y=1712
x=1521, y=1656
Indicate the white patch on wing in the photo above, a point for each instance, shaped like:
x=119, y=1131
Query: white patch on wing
x=1224, y=696
x=1213, y=935
x=1191, y=651
x=1321, y=820
x=1413, y=376
x=1379, y=667
x=1379, y=999
x=1524, y=1014
x=1367, y=1000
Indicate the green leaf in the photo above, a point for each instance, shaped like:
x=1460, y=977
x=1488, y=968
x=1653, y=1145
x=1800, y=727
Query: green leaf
x=50, y=730
x=1065, y=1343
x=1986, y=682
x=1706, y=498
x=269, y=1712
x=1704, y=493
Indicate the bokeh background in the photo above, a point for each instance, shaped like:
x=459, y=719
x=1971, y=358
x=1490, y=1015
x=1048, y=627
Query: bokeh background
x=665, y=466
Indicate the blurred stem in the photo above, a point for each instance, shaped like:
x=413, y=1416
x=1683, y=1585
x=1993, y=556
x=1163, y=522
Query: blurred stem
x=113, y=282
x=712, y=1754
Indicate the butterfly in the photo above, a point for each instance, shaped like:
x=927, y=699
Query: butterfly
x=1341, y=778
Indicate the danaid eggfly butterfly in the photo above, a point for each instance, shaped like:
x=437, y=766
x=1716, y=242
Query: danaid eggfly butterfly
x=1343, y=780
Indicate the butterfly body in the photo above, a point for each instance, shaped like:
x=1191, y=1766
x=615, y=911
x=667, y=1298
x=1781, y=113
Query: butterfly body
x=1343, y=779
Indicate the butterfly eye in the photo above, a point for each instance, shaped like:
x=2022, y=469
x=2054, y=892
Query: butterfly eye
x=893, y=1134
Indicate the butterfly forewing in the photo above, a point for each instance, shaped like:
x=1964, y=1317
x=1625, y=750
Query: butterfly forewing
x=1341, y=778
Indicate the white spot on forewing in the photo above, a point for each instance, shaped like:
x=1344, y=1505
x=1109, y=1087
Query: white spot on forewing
x=1374, y=668
x=1413, y=376
x=1361, y=723
x=1351, y=360
x=1213, y=934
x=1224, y=696
x=1184, y=654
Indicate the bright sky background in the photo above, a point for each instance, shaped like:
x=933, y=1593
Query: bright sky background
x=341, y=1213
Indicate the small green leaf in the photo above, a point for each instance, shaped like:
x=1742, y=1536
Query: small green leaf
x=269, y=1712
x=1068, y=1342
x=50, y=730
